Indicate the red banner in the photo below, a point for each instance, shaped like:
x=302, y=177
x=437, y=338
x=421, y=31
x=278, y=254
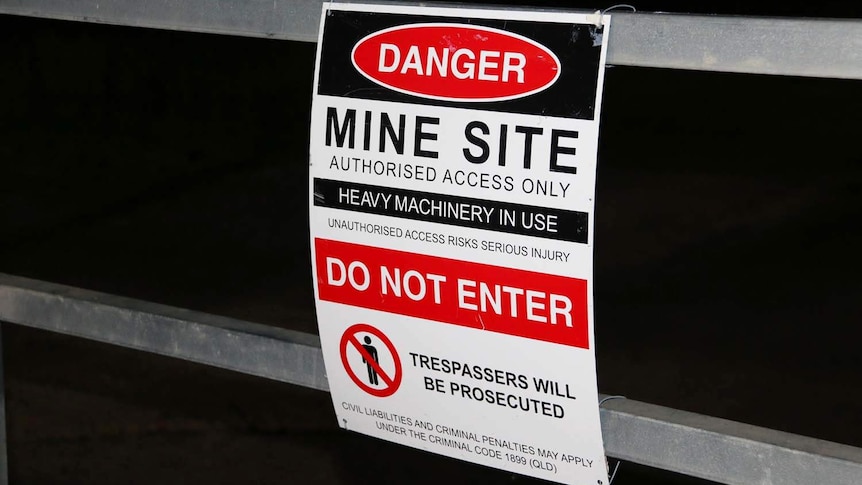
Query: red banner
x=504, y=300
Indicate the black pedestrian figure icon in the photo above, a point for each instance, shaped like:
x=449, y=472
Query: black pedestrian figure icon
x=372, y=352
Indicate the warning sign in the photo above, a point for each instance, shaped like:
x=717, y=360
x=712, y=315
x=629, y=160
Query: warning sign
x=452, y=178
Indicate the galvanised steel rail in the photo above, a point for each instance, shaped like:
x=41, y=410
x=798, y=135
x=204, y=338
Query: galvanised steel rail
x=692, y=444
x=798, y=47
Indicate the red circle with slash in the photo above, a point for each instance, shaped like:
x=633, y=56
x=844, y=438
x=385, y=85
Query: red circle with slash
x=390, y=382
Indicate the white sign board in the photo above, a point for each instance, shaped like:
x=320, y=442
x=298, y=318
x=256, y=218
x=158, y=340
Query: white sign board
x=453, y=165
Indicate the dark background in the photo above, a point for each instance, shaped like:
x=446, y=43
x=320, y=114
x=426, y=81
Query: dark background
x=171, y=167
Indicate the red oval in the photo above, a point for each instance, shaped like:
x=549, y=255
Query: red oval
x=456, y=62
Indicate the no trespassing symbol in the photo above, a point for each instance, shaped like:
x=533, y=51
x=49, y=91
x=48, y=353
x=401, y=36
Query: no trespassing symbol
x=375, y=368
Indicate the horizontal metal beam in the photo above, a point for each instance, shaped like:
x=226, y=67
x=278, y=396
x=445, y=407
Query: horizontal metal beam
x=280, y=19
x=797, y=47
x=250, y=348
x=692, y=444
x=721, y=450
x=793, y=47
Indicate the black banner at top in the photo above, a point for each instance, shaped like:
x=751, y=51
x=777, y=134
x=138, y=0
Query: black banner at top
x=572, y=95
